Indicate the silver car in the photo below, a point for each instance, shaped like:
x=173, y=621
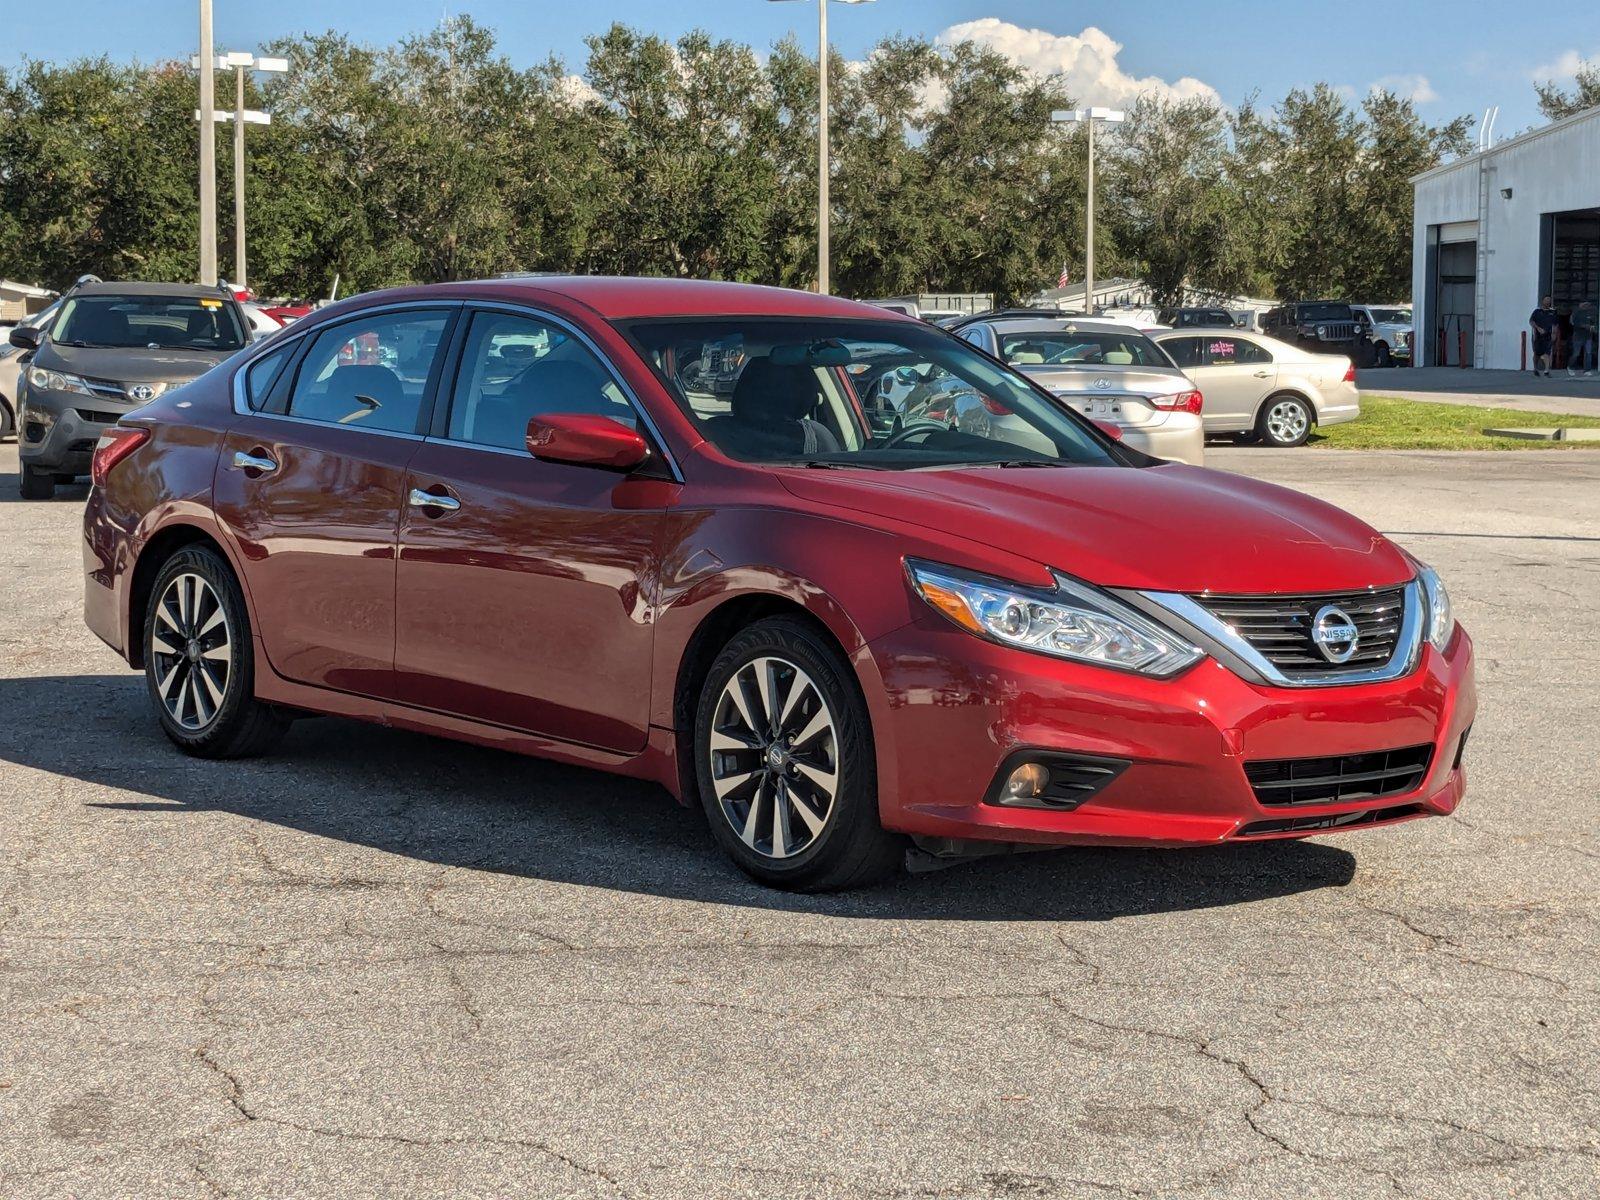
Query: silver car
x=1109, y=372
x=1253, y=383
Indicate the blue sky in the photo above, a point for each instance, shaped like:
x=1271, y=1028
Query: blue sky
x=1455, y=57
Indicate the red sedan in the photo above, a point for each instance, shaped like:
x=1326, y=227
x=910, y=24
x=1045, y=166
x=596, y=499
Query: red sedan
x=721, y=537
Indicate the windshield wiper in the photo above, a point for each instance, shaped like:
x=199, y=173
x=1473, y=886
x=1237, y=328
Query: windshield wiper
x=1018, y=463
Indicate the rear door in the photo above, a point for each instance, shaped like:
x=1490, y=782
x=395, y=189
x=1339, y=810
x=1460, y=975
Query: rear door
x=1237, y=376
x=311, y=481
x=524, y=586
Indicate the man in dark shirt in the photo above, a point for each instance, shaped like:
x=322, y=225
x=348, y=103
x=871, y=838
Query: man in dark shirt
x=1543, y=323
x=1583, y=339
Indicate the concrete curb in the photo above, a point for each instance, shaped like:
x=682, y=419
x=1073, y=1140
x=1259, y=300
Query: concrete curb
x=1563, y=434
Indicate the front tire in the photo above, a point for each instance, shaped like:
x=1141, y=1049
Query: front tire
x=34, y=484
x=8, y=420
x=199, y=661
x=1285, y=421
x=785, y=764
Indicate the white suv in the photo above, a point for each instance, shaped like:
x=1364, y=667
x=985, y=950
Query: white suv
x=1389, y=328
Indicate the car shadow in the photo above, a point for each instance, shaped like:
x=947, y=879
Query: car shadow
x=64, y=491
x=457, y=805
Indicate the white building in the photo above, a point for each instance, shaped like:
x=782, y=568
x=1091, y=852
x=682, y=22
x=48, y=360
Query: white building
x=1495, y=232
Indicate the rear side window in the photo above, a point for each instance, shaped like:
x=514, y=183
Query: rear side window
x=262, y=374
x=1225, y=351
x=369, y=373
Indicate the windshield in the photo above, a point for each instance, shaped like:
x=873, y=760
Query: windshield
x=881, y=395
x=1326, y=312
x=1068, y=347
x=1391, y=316
x=149, y=322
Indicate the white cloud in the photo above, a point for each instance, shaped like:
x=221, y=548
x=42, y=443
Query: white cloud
x=1414, y=88
x=1088, y=61
x=1564, y=68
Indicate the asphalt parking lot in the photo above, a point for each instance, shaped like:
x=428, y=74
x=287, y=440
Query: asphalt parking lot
x=377, y=964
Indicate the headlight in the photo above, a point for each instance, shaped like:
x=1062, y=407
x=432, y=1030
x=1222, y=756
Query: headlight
x=1441, y=620
x=56, y=381
x=1072, y=621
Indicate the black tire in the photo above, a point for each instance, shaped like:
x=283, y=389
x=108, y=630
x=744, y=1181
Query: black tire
x=239, y=725
x=1385, y=359
x=1285, y=421
x=34, y=484
x=65, y=479
x=8, y=420
x=850, y=849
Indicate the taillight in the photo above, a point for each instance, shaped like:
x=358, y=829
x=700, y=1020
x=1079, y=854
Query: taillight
x=989, y=402
x=115, y=444
x=1350, y=373
x=1189, y=402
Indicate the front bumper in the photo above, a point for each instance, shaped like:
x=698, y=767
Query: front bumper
x=57, y=431
x=953, y=708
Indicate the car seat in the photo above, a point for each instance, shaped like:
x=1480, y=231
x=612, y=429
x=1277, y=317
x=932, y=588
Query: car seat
x=771, y=413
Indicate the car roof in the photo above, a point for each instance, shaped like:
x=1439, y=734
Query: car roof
x=619, y=297
x=190, y=290
x=1056, y=325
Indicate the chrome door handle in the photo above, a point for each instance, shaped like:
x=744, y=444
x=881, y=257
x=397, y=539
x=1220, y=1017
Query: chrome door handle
x=253, y=462
x=1263, y=374
x=422, y=499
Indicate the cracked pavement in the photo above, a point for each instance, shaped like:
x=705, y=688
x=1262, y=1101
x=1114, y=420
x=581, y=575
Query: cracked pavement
x=379, y=964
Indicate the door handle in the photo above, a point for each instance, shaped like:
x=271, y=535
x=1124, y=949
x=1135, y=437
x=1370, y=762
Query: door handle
x=422, y=499
x=254, y=462
x=1263, y=374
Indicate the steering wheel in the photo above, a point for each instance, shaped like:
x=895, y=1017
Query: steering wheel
x=920, y=429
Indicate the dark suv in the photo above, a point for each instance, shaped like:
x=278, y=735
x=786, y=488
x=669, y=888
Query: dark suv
x=1197, y=318
x=1321, y=326
x=111, y=348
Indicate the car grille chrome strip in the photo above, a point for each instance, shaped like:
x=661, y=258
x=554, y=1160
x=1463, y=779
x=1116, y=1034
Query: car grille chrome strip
x=1271, y=635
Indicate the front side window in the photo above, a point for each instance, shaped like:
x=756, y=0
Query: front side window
x=515, y=368
x=369, y=373
x=1227, y=351
x=856, y=393
x=149, y=322
x=1080, y=347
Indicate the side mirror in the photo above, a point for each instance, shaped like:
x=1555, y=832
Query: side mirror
x=25, y=337
x=586, y=440
x=1114, y=432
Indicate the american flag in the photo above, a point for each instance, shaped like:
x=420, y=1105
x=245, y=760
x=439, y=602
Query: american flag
x=1065, y=277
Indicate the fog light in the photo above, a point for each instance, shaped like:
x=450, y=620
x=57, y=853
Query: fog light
x=1027, y=782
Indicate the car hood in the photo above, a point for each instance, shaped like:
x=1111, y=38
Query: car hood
x=130, y=365
x=1168, y=528
x=1109, y=381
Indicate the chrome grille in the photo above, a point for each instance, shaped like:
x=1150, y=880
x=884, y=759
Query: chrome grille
x=1279, y=627
x=1336, y=331
x=109, y=389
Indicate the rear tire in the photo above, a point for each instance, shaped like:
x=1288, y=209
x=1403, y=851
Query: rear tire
x=200, y=661
x=8, y=420
x=34, y=484
x=1285, y=421
x=785, y=765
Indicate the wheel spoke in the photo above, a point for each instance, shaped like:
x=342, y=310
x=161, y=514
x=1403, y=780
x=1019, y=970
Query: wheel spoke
x=735, y=693
x=730, y=783
x=220, y=653
x=765, y=685
x=824, y=779
x=798, y=686
x=216, y=618
x=164, y=643
x=732, y=740
x=814, y=821
x=819, y=722
x=165, y=685
x=780, y=821
x=748, y=833
x=211, y=686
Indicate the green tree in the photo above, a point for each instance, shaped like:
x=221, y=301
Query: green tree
x=1556, y=102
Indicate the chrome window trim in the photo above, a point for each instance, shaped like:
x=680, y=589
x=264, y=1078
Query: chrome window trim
x=1407, y=650
x=392, y=433
x=273, y=342
x=538, y=314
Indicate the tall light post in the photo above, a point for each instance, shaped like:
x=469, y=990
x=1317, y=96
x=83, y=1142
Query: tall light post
x=1090, y=116
x=823, y=282
x=242, y=117
x=208, y=151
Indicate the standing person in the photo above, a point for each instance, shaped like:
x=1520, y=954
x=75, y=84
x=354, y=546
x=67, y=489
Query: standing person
x=1584, y=338
x=1543, y=322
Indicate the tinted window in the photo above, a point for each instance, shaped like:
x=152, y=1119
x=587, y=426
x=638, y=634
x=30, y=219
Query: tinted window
x=369, y=373
x=1226, y=351
x=515, y=368
x=1072, y=347
x=856, y=393
x=262, y=374
x=154, y=322
x=1185, y=351
x=1325, y=312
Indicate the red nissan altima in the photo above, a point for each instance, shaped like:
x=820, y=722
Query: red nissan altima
x=736, y=540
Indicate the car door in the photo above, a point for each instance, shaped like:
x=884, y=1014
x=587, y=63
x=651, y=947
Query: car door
x=310, y=484
x=1237, y=375
x=524, y=588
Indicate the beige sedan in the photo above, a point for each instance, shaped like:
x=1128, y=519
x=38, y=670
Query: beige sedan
x=1254, y=383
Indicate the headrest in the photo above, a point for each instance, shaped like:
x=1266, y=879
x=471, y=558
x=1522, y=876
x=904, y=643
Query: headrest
x=768, y=392
x=1026, y=358
x=561, y=387
x=1119, y=358
x=377, y=382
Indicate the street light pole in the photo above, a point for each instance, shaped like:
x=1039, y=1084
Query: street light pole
x=1089, y=116
x=238, y=176
x=823, y=251
x=208, y=151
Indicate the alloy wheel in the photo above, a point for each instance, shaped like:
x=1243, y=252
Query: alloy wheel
x=191, y=645
x=774, y=754
x=1287, y=421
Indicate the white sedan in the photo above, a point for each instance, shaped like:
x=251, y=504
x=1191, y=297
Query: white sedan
x=1256, y=383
